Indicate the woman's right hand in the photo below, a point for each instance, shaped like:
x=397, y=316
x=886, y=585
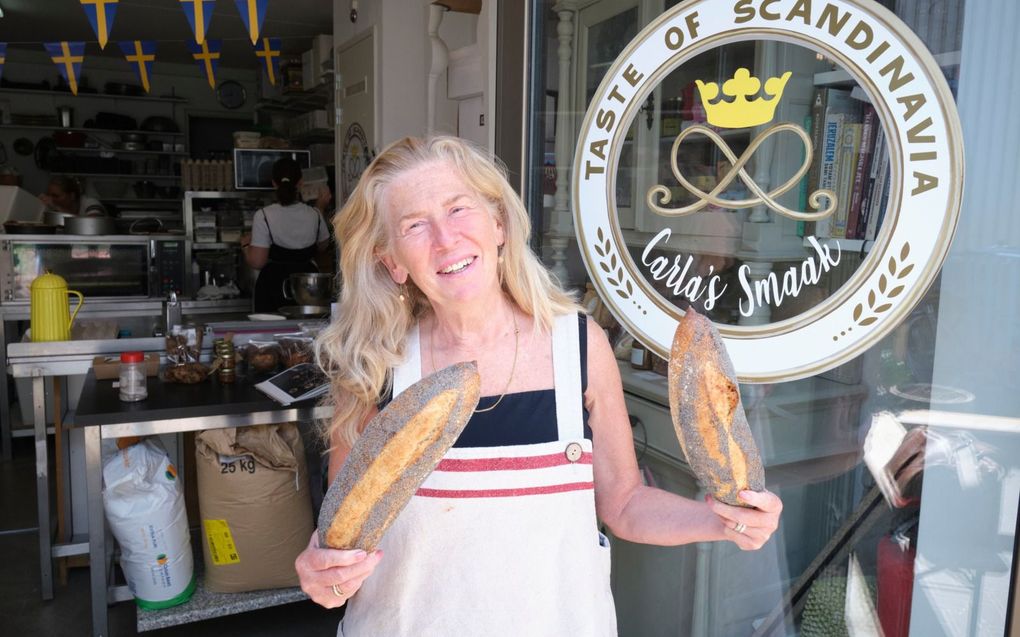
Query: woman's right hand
x=320, y=569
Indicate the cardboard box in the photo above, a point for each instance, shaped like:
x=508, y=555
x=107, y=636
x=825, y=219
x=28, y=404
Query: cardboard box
x=108, y=367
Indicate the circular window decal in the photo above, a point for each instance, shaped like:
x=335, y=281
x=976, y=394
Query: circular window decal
x=910, y=104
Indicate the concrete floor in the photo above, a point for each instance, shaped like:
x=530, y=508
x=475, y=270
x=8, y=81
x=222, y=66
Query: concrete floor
x=23, y=612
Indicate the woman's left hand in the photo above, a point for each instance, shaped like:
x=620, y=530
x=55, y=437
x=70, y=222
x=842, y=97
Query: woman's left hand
x=756, y=525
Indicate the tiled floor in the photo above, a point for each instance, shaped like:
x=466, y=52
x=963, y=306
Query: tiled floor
x=23, y=612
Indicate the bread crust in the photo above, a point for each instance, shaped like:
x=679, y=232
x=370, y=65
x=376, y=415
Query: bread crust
x=394, y=455
x=704, y=402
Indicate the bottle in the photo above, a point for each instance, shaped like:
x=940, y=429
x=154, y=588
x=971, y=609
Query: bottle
x=132, y=377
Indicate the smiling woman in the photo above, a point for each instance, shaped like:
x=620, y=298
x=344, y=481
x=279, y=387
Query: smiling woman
x=437, y=271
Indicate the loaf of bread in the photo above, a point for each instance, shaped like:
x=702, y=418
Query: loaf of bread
x=398, y=449
x=704, y=400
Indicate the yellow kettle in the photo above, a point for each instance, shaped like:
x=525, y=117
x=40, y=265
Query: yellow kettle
x=51, y=315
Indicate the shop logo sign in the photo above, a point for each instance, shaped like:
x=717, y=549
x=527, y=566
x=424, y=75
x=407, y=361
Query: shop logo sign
x=914, y=108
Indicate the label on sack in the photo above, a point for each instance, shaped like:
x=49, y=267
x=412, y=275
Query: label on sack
x=222, y=549
x=237, y=464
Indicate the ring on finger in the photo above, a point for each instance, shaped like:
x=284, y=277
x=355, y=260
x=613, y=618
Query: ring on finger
x=740, y=527
x=339, y=591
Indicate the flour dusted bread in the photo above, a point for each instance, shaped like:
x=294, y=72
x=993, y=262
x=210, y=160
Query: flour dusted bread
x=704, y=400
x=399, y=448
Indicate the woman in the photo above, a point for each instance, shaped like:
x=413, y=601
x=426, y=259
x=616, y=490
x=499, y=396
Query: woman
x=64, y=195
x=285, y=238
x=437, y=270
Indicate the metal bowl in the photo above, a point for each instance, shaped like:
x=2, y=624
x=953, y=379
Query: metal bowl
x=312, y=288
x=304, y=311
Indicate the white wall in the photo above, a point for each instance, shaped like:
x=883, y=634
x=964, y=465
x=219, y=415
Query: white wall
x=404, y=59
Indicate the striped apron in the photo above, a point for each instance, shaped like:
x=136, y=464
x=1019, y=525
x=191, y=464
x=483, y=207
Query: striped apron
x=498, y=540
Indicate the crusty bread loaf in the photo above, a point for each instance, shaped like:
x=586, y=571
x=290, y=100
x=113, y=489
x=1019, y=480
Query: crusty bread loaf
x=399, y=448
x=704, y=400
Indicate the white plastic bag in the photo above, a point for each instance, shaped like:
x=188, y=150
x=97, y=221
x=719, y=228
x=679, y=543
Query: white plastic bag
x=145, y=507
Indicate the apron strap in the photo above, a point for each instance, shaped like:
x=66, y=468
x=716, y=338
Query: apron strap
x=408, y=372
x=567, y=376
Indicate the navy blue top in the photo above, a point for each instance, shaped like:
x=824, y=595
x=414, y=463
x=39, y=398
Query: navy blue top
x=521, y=418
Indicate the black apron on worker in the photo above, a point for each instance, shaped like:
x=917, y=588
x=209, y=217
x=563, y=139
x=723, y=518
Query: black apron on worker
x=283, y=262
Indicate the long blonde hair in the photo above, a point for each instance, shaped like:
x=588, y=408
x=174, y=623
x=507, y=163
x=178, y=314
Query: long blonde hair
x=359, y=349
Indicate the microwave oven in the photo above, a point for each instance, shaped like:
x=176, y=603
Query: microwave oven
x=98, y=267
x=253, y=167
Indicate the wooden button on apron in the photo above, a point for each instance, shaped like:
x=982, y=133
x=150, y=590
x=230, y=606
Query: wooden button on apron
x=573, y=452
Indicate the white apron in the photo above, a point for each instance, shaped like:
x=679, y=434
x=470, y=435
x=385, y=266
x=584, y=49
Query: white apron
x=498, y=540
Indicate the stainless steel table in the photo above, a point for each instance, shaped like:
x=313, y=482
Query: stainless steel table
x=103, y=308
x=169, y=408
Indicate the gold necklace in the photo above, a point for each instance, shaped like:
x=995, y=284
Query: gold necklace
x=513, y=366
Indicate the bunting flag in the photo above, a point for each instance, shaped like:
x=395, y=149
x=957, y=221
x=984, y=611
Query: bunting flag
x=140, y=54
x=3, y=57
x=68, y=57
x=100, y=14
x=269, y=51
x=207, y=55
x=199, y=12
x=253, y=13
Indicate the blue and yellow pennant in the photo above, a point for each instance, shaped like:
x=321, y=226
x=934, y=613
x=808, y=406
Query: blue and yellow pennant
x=207, y=54
x=68, y=57
x=198, y=12
x=140, y=54
x=269, y=51
x=253, y=13
x=3, y=57
x=100, y=14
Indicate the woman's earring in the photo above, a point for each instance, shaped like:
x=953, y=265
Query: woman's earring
x=403, y=292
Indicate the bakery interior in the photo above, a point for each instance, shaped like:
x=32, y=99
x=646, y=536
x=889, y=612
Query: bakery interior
x=179, y=166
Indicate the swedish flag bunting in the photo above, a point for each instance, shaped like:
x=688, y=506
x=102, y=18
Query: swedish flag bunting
x=3, y=57
x=253, y=13
x=68, y=57
x=207, y=55
x=100, y=14
x=140, y=54
x=269, y=51
x=198, y=12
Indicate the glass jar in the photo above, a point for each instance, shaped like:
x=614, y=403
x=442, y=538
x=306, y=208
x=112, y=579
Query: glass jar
x=132, y=377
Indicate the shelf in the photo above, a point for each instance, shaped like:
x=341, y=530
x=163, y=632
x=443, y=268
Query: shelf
x=845, y=245
x=116, y=176
x=830, y=78
x=87, y=130
x=316, y=134
x=197, y=245
x=104, y=96
x=298, y=101
x=131, y=200
x=73, y=149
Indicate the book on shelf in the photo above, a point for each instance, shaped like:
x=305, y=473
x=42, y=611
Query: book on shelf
x=846, y=164
x=805, y=184
x=880, y=176
x=840, y=111
x=301, y=382
x=861, y=172
x=867, y=222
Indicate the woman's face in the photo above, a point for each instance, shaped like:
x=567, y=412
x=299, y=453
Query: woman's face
x=444, y=236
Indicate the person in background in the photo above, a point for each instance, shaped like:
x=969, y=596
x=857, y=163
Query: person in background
x=64, y=194
x=505, y=540
x=285, y=238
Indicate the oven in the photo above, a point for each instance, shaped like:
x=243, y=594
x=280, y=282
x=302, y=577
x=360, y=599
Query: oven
x=119, y=267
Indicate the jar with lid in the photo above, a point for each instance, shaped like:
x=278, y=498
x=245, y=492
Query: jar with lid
x=132, y=377
x=640, y=357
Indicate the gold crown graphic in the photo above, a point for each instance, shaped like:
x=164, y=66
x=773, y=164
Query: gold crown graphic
x=742, y=112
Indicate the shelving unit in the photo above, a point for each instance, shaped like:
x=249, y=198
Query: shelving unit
x=116, y=176
x=81, y=95
x=87, y=130
x=120, y=151
x=836, y=78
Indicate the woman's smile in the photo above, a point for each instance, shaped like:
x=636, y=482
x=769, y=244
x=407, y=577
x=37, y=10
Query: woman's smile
x=457, y=267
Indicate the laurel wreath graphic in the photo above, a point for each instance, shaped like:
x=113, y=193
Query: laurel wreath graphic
x=611, y=265
x=877, y=304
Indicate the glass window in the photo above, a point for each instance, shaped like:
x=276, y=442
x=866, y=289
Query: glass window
x=899, y=468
